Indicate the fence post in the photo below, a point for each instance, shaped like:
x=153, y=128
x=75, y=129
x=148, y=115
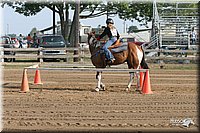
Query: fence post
x=67, y=56
x=82, y=54
x=40, y=53
x=188, y=41
x=2, y=54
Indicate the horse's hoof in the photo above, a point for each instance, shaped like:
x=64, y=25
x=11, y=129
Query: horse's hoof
x=97, y=89
x=127, y=89
x=139, y=91
x=103, y=88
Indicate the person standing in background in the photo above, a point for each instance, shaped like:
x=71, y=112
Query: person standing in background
x=193, y=36
x=35, y=40
x=20, y=39
x=29, y=39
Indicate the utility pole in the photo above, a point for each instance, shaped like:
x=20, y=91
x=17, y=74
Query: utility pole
x=7, y=29
x=76, y=42
x=124, y=25
x=54, y=19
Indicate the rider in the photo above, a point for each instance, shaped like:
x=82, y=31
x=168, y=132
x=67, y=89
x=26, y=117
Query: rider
x=113, y=35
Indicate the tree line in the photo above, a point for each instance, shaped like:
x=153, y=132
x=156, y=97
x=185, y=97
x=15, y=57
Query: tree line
x=129, y=10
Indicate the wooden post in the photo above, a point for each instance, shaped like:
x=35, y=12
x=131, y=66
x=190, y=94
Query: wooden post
x=54, y=19
x=41, y=53
x=82, y=54
x=67, y=56
x=188, y=42
x=76, y=45
x=2, y=54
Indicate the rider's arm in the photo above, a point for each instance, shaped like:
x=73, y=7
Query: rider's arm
x=118, y=36
x=105, y=32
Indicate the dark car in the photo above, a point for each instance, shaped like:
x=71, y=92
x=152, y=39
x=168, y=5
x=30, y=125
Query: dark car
x=53, y=42
x=5, y=42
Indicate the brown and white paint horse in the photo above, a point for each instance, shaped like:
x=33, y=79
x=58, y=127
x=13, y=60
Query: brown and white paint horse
x=134, y=56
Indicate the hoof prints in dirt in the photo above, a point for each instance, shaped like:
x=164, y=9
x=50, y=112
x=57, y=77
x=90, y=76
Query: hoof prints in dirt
x=65, y=104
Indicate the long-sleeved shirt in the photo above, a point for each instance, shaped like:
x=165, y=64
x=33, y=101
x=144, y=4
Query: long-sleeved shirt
x=110, y=33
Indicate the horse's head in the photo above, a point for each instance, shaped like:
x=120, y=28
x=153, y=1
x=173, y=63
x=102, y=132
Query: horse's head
x=92, y=41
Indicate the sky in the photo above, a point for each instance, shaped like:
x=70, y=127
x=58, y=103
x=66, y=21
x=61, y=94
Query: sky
x=19, y=24
x=15, y=23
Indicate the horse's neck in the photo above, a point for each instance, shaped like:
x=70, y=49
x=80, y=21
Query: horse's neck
x=94, y=50
x=91, y=49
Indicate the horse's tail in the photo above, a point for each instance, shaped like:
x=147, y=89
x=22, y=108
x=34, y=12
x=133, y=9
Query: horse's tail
x=143, y=63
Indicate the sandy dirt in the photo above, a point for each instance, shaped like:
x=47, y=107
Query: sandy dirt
x=66, y=101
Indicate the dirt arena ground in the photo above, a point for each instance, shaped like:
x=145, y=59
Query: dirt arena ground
x=66, y=101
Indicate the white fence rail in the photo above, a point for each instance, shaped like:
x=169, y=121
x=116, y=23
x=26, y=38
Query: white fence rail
x=36, y=53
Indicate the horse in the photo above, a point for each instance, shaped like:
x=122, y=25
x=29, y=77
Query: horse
x=133, y=55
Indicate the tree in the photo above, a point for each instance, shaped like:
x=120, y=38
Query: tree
x=131, y=29
x=141, y=12
x=34, y=30
x=32, y=8
x=62, y=8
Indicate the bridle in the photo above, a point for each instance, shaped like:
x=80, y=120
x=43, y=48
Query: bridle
x=93, y=41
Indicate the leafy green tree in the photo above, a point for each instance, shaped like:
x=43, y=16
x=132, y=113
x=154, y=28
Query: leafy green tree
x=139, y=11
x=132, y=29
x=142, y=12
x=62, y=8
x=32, y=8
x=34, y=30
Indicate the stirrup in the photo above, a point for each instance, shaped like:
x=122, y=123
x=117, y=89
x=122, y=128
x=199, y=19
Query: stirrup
x=111, y=60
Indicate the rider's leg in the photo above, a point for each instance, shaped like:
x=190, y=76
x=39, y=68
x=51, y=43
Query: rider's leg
x=109, y=55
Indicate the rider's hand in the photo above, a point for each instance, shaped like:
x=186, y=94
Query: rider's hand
x=98, y=38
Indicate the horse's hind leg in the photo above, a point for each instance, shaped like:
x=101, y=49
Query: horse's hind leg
x=138, y=82
x=103, y=87
x=130, y=81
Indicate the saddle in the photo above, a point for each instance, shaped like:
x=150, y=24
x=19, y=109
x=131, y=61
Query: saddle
x=118, y=47
x=115, y=48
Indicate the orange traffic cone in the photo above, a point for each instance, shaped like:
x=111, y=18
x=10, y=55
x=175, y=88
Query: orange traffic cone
x=37, y=79
x=24, y=84
x=146, y=89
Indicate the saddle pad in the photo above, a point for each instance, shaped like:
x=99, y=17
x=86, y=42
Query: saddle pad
x=121, y=48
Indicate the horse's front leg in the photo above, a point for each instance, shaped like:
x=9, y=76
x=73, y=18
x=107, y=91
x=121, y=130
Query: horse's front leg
x=130, y=81
x=100, y=85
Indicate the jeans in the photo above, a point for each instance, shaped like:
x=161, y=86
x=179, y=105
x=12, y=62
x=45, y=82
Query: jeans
x=193, y=41
x=108, y=54
x=20, y=44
